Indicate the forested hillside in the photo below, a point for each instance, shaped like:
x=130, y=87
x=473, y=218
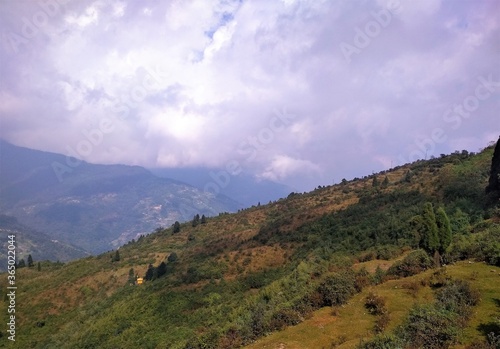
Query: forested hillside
x=229, y=280
x=94, y=207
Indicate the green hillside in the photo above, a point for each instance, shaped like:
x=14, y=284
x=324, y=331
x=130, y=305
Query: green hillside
x=31, y=242
x=300, y=269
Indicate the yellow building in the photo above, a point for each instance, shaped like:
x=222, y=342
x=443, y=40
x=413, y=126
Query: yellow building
x=139, y=281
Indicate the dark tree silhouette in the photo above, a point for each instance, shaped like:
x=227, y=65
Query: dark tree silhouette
x=150, y=273
x=196, y=220
x=30, y=261
x=161, y=270
x=172, y=257
x=385, y=183
x=21, y=263
x=177, y=227
x=493, y=188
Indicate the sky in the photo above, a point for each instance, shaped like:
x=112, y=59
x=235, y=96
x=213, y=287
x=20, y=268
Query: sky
x=300, y=92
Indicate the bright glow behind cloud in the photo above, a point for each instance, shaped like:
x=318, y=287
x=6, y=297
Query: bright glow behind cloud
x=197, y=83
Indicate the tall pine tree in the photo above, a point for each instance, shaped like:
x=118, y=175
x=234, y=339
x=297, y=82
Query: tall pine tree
x=444, y=229
x=30, y=261
x=430, y=233
x=131, y=276
x=150, y=273
x=196, y=220
x=493, y=188
x=177, y=227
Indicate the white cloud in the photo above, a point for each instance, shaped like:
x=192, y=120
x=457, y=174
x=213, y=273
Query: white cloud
x=186, y=83
x=90, y=16
x=284, y=166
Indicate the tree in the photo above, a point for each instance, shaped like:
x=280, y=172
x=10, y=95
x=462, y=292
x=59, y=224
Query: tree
x=444, y=229
x=30, y=261
x=172, y=257
x=385, y=183
x=131, y=276
x=430, y=234
x=375, y=182
x=149, y=273
x=196, y=220
x=203, y=219
x=407, y=177
x=39, y=267
x=161, y=270
x=493, y=188
x=117, y=256
x=177, y=227
x=459, y=222
x=21, y=263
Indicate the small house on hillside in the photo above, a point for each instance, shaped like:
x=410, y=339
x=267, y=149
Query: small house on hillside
x=139, y=281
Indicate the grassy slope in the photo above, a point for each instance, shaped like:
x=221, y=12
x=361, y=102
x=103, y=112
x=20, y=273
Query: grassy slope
x=87, y=297
x=351, y=323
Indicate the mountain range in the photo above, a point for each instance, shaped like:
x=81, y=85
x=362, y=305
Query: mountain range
x=411, y=256
x=94, y=207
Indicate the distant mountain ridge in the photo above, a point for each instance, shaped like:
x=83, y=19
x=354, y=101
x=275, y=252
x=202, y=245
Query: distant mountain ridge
x=241, y=187
x=95, y=207
x=39, y=245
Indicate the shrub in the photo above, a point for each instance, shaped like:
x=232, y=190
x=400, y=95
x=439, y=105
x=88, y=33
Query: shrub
x=413, y=287
x=439, y=278
x=387, y=252
x=375, y=304
x=378, y=276
x=362, y=279
x=338, y=288
x=430, y=327
x=414, y=263
x=458, y=296
x=283, y=318
x=381, y=342
x=381, y=322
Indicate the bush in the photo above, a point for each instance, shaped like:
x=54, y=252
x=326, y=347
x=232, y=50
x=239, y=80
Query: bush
x=388, y=252
x=413, y=287
x=362, y=279
x=283, y=318
x=378, y=276
x=430, y=327
x=375, y=304
x=483, y=246
x=458, y=296
x=337, y=289
x=381, y=342
x=439, y=278
x=414, y=263
x=381, y=322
